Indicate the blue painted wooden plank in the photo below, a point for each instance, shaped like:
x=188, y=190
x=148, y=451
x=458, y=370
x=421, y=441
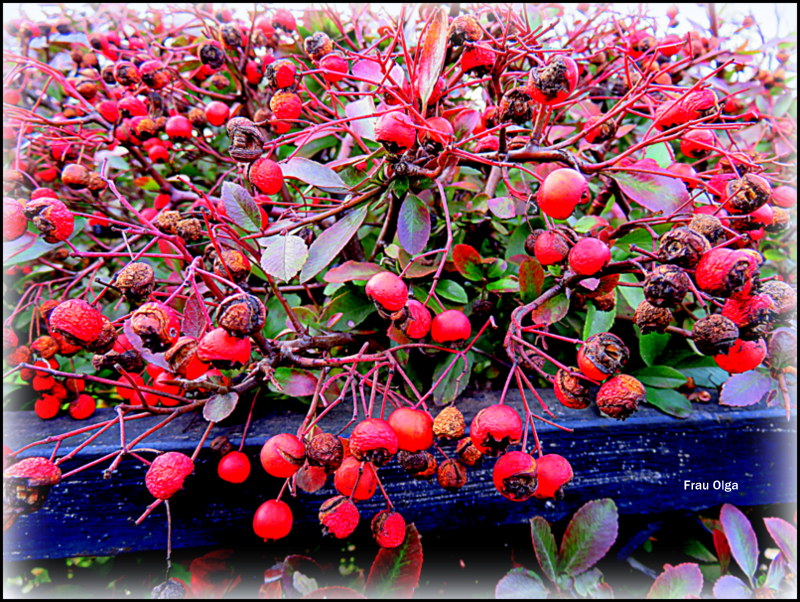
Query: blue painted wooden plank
x=641, y=463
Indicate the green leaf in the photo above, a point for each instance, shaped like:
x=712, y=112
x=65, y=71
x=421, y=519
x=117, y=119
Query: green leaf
x=504, y=285
x=330, y=243
x=698, y=551
x=395, y=571
x=241, y=207
x=660, y=153
x=353, y=306
x=284, y=257
x=552, y=310
x=588, y=223
x=662, y=377
x=597, y=321
x=503, y=207
x=633, y=295
x=452, y=291
x=651, y=345
x=468, y=262
x=531, y=279
x=544, y=545
x=413, y=224
x=589, y=536
x=669, y=401
x=456, y=380
x=497, y=267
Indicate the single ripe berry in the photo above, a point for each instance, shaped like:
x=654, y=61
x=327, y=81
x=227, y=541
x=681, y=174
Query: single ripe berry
x=514, y=476
x=281, y=74
x=217, y=113
x=267, y=175
x=698, y=144
x=83, y=325
x=722, y=272
x=166, y=474
x=356, y=479
x=742, y=356
x=286, y=107
x=437, y=134
x=373, y=440
x=414, y=429
x=562, y=191
x=51, y=217
x=221, y=349
x=589, y=256
x=418, y=324
x=619, y=397
x=273, y=520
x=387, y=290
x=389, y=529
x=450, y=326
x=570, y=390
x=550, y=248
x=396, y=132
x=784, y=196
x=339, y=516
x=178, y=127
x=494, y=428
x=47, y=407
x=334, y=67
x=234, y=467
x=15, y=224
x=602, y=355
x=82, y=407
x=282, y=455
x=554, y=82
x=477, y=58
x=553, y=472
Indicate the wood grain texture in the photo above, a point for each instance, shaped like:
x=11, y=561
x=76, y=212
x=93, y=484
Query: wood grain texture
x=641, y=463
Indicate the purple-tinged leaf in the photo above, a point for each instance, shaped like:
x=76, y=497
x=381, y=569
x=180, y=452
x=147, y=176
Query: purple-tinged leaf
x=552, y=310
x=431, y=59
x=313, y=173
x=395, y=571
x=368, y=69
x=746, y=389
x=136, y=342
x=520, y=584
x=729, y=587
x=677, y=582
x=591, y=585
x=531, y=279
x=465, y=122
x=503, y=207
x=241, y=207
x=785, y=536
x=195, y=318
x=544, y=545
x=413, y=224
x=652, y=191
x=284, y=256
x=294, y=382
x=776, y=573
x=589, y=536
x=352, y=270
x=360, y=112
x=330, y=243
x=220, y=406
x=741, y=538
x=468, y=262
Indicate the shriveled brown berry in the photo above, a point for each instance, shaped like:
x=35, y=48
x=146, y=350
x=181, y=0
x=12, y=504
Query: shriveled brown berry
x=666, y=286
x=420, y=465
x=781, y=220
x=714, y=334
x=75, y=176
x=449, y=423
x=515, y=106
x=571, y=391
x=136, y=281
x=603, y=354
x=619, y=397
x=746, y=194
x=650, y=318
x=45, y=346
x=709, y=226
x=157, y=324
x=325, y=450
x=182, y=358
x=465, y=28
x=241, y=314
x=468, y=454
x=167, y=221
x=232, y=264
x=189, y=229
x=682, y=247
x=783, y=296
x=317, y=45
x=451, y=475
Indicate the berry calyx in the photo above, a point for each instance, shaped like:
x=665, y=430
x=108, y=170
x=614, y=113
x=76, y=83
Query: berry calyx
x=267, y=175
x=450, y=326
x=234, y=467
x=339, y=517
x=562, y=191
x=387, y=290
x=589, y=256
x=414, y=429
x=514, y=476
x=273, y=520
x=167, y=473
x=553, y=472
x=389, y=529
x=494, y=428
x=282, y=455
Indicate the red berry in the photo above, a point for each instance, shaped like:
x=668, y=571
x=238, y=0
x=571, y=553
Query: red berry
x=51, y=217
x=109, y=110
x=553, y=472
x=47, y=406
x=82, y=407
x=81, y=324
x=389, y=529
x=438, y=132
x=387, y=290
x=285, y=106
x=550, y=248
x=216, y=113
x=414, y=429
x=160, y=384
x=589, y=256
x=158, y=152
x=742, y=356
x=39, y=472
x=339, y=516
x=619, y=397
x=691, y=106
x=419, y=320
x=451, y=325
x=373, y=440
x=722, y=272
x=514, y=476
x=130, y=394
x=284, y=19
x=166, y=474
x=494, y=428
x=478, y=58
x=218, y=347
x=396, y=132
x=601, y=355
x=178, y=127
x=698, y=144
x=273, y=520
x=234, y=467
x=351, y=472
x=334, y=67
x=15, y=224
x=282, y=455
x=562, y=191
x=570, y=390
x=554, y=82
x=281, y=73
x=267, y=175
x=784, y=196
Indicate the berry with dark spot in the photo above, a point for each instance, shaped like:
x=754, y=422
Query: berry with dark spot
x=554, y=82
x=602, y=355
x=339, y=517
x=570, y=390
x=282, y=455
x=514, y=476
x=553, y=472
x=396, y=132
x=373, y=440
x=742, y=356
x=158, y=325
x=494, y=428
x=389, y=529
x=723, y=272
x=619, y=397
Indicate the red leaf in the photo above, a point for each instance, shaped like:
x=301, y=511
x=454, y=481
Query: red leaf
x=531, y=279
x=723, y=549
x=194, y=317
x=352, y=270
x=552, y=310
x=211, y=575
x=431, y=60
x=395, y=571
x=468, y=262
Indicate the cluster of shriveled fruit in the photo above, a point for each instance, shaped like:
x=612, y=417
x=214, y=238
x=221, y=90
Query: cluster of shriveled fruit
x=407, y=434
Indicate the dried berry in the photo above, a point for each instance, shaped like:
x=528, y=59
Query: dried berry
x=221, y=349
x=167, y=222
x=182, y=358
x=682, y=247
x=570, y=390
x=387, y=290
x=494, y=428
x=449, y=423
x=83, y=325
x=273, y=520
x=746, y=194
x=464, y=28
x=751, y=313
x=602, y=355
x=317, y=45
x=783, y=296
x=553, y=472
x=155, y=75
x=650, y=318
x=167, y=473
x=339, y=517
x=356, y=479
x=247, y=139
x=45, y=346
x=136, y=281
x=619, y=397
x=51, y=217
x=234, y=467
x=599, y=129
x=709, y=226
x=562, y=191
x=325, y=450
x=241, y=314
x=589, y=256
x=158, y=325
x=742, y=356
x=450, y=326
x=311, y=478
x=389, y=529
x=514, y=476
x=189, y=229
x=282, y=455
x=127, y=74
x=666, y=286
x=373, y=440
x=419, y=465
x=723, y=272
x=451, y=475
x=26, y=485
x=396, y=132
x=232, y=264
x=515, y=105
x=414, y=429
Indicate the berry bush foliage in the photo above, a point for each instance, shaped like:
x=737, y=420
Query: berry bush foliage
x=204, y=209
